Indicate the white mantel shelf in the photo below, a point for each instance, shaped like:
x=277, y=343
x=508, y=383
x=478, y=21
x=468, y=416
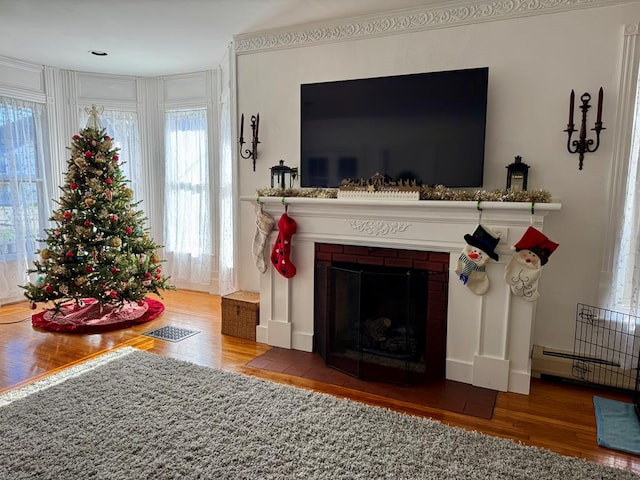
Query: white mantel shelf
x=418, y=204
x=488, y=336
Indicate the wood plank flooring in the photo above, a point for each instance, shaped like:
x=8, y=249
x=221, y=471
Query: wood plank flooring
x=554, y=416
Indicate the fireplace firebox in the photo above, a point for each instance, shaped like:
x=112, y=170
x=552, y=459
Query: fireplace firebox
x=374, y=315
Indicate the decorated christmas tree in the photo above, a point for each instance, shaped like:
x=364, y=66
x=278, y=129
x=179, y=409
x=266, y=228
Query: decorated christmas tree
x=99, y=251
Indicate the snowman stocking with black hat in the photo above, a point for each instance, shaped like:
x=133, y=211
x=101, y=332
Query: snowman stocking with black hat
x=479, y=250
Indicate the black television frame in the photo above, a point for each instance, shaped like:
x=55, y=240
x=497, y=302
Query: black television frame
x=432, y=128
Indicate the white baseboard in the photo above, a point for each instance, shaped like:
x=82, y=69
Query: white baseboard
x=564, y=364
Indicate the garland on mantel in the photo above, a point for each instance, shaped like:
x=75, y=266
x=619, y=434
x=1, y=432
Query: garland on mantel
x=439, y=192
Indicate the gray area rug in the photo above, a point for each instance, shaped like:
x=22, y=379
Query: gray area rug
x=142, y=416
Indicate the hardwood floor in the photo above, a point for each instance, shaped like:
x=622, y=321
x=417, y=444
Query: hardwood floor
x=556, y=417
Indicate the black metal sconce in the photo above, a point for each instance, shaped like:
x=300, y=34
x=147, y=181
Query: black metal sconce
x=253, y=153
x=279, y=172
x=582, y=145
x=517, y=173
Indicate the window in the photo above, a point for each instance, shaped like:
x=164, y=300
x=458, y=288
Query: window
x=620, y=280
x=188, y=211
x=24, y=201
x=626, y=275
x=122, y=126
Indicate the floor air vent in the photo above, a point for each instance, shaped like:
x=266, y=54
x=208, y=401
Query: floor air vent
x=172, y=334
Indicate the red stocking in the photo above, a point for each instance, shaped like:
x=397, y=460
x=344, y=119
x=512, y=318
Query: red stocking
x=282, y=248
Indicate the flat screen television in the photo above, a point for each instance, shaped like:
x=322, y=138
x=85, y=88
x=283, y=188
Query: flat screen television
x=428, y=127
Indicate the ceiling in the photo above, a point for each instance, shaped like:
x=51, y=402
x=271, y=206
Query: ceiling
x=156, y=37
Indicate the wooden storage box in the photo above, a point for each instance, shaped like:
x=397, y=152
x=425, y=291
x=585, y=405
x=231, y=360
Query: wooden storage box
x=241, y=314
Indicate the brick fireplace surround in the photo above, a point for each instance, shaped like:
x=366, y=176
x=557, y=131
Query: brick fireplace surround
x=435, y=316
x=489, y=337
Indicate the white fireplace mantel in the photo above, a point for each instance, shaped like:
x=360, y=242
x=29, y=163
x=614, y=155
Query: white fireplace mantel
x=489, y=337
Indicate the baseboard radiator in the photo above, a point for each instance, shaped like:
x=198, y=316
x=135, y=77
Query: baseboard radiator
x=590, y=370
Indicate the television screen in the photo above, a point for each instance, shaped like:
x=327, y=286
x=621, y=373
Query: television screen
x=428, y=127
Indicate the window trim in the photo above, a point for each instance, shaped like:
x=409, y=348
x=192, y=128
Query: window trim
x=623, y=131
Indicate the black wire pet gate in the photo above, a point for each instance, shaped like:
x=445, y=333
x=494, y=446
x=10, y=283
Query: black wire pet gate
x=607, y=350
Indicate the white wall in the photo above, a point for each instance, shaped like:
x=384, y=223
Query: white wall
x=534, y=62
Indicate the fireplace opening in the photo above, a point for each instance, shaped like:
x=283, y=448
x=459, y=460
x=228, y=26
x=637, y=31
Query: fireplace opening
x=383, y=316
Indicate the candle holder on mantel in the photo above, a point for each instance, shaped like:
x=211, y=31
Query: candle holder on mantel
x=279, y=172
x=582, y=145
x=517, y=173
x=253, y=153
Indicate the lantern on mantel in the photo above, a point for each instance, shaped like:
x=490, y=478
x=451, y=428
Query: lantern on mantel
x=279, y=173
x=517, y=173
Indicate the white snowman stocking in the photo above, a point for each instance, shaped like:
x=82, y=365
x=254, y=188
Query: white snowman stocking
x=479, y=249
x=471, y=269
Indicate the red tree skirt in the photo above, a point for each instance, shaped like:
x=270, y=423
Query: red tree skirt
x=90, y=319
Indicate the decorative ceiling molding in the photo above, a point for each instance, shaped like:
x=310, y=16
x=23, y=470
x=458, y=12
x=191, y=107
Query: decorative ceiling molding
x=407, y=20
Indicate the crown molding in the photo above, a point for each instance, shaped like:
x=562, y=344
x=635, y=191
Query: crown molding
x=407, y=20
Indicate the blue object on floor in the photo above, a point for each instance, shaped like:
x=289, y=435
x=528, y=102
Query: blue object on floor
x=618, y=425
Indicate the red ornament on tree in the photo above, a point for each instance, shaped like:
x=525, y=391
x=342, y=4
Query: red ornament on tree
x=89, y=269
x=70, y=254
x=73, y=186
x=67, y=215
x=88, y=154
x=129, y=230
x=108, y=181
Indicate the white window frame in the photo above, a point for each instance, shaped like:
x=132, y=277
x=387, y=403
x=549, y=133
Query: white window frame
x=622, y=149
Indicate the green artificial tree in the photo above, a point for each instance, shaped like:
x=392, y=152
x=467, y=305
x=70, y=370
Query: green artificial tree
x=99, y=247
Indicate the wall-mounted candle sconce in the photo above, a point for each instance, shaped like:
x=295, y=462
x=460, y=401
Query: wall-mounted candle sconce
x=582, y=145
x=253, y=153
